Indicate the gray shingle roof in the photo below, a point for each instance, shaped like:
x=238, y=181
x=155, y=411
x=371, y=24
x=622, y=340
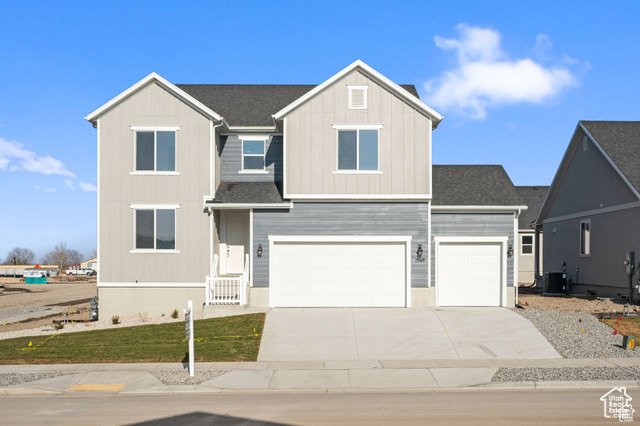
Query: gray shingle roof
x=475, y=185
x=248, y=192
x=252, y=104
x=533, y=197
x=621, y=141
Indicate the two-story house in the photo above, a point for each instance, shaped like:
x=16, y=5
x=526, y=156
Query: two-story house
x=289, y=196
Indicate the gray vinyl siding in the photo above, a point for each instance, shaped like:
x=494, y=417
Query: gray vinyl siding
x=473, y=225
x=230, y=149
x=589, y=183
x=612, y=236
x=311, y=143
x=153, y=106
x=366, y=219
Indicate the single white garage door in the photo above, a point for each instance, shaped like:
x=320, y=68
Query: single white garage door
x=469, y=274
x=341, y=274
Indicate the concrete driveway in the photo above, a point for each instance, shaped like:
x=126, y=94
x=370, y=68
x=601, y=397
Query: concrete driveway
x=327, y=334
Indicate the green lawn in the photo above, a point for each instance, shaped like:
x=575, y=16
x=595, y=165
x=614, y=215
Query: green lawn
x=218, y=339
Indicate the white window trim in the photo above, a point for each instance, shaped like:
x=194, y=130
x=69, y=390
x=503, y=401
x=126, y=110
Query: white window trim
x=356, y=128
x=262, y=138
x=522, y=244
x=154, y=207
x=587, y=247
x=154, y=172
x=365, y=96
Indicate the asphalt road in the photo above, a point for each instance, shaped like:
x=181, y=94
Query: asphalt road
x=455, y=407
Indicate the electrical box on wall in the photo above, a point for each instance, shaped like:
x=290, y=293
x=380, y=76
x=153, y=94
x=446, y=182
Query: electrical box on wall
x=630, y=263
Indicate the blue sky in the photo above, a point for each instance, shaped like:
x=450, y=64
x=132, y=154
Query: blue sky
x=511, y=78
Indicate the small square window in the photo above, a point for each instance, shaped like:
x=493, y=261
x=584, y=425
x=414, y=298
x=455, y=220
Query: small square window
x=527, y=244
x=253, y=154
x=156, y=151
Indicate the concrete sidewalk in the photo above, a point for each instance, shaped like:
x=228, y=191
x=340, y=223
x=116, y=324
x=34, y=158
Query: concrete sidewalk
x=325, y=376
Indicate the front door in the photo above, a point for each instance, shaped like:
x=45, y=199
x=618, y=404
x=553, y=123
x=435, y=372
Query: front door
x=237, y=224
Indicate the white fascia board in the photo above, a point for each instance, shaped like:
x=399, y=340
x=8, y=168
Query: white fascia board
x=587, y=213
x=359, y=197
x=402, y=93
x=480, y=209
x=169, y=86
x=250, y=129
x=635, y=192
x=152, y=285
x=240, y=206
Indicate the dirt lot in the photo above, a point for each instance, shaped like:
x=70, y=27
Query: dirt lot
x=67, y=298
x=572, y=304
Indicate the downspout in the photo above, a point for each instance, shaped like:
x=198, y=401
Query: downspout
x=212, y=142
x=516, y=252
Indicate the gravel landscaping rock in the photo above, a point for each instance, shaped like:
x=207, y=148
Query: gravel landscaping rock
x=529, y=374
x=171, y=378
x=577, y=335
x=12, y=379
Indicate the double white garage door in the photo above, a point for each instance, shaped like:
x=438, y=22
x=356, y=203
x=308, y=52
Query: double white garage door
x=338, y=274
x=376, y=274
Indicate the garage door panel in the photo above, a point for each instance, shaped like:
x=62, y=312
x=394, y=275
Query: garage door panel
x=469, y=274
x=339, y=274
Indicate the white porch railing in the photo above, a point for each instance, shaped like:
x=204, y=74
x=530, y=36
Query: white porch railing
x=227, y=290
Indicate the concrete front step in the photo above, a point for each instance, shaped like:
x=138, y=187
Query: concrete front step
x=217, y=311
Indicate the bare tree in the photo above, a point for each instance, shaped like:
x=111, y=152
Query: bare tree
x=20, y=256
x=62, y=256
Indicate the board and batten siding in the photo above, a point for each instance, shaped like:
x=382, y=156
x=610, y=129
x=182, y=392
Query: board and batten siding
x=230, y=148
x=589, y=183
x=472, y=225
x=311, y=143
x=364, y=219
x=153, y=106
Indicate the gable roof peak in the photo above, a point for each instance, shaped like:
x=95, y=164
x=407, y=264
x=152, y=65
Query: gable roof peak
x=360, y=65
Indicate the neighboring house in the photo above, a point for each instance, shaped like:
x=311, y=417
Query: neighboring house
x=530, y=249
x=283, y=196
x=90, y=264
x=474, y=217
x=591, y=216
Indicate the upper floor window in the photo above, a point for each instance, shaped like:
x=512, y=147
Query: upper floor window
x=358, y=148
x=253, y=154
x=155, y=150
x=155, y=228
x=357, y=97
x=585, y=237
x=527, y=244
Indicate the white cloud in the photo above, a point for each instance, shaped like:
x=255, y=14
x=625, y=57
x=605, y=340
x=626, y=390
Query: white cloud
x=69, y=183
x=15, y=157
x=87, y=187
x=49, y=190
x=484, y=76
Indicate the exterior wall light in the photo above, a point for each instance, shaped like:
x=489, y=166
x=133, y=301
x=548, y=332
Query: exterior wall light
x=259, y=250
x=419, y=253
x=510, y=252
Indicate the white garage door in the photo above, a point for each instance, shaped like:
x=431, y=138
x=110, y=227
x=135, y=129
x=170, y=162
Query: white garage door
x=338, y=274
x=469, y=274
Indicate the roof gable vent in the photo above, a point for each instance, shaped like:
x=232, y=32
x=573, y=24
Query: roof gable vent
x=357, y=97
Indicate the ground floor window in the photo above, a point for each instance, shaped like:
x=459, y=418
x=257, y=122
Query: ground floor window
x=155, y=229
x=527, y=244
x=585, y=237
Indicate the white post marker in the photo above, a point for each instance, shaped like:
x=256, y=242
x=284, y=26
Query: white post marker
x=188, y=334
